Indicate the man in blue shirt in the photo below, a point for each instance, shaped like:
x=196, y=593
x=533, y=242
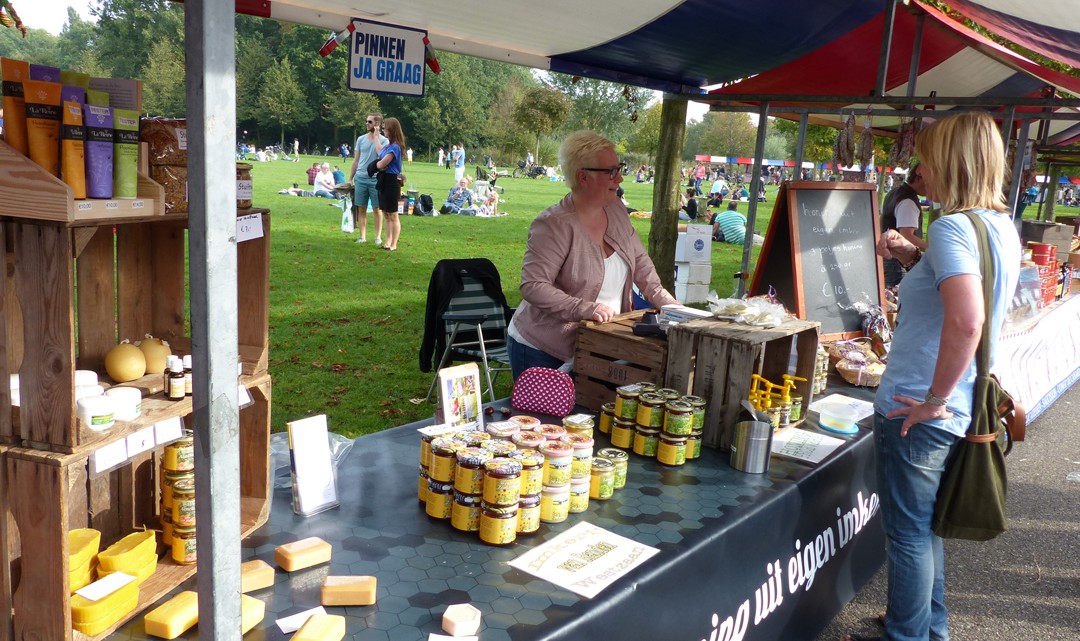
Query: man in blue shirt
x=458, y=156
x=365, y=191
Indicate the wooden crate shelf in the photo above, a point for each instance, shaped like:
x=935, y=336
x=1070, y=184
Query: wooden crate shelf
x=714, y=360
x=609, y=355
x=79, y=276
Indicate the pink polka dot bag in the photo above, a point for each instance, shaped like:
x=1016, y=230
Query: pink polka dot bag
x=542, y=390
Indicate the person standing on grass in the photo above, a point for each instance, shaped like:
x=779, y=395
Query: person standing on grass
x=389, y=183
x=442, y=156
x=365, y=190
x=458, y=156
x=296, y=150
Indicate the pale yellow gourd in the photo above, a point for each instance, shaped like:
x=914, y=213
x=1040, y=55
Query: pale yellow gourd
x=156, y=352
x=125, y=362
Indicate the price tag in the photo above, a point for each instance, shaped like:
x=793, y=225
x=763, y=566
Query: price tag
x=243, y=397
x=84, y=205
x=249, y=227
x=137, y=204
x=141, y=441
x=112, y=204
x=108, y=457
x=104, y=587
x=168, y=430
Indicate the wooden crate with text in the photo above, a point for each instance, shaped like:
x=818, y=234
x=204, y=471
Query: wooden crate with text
x=609, y=355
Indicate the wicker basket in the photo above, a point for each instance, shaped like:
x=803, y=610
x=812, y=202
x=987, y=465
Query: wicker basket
x=839, y=350
x=861, y=374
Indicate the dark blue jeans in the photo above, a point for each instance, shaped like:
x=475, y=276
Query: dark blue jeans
x=522, y=357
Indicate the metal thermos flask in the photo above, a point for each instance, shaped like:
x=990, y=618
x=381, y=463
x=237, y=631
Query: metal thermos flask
x=752, y=445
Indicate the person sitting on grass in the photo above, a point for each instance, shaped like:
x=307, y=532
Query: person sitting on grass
x=490, y=206
x=729, y=226
x=459, y=198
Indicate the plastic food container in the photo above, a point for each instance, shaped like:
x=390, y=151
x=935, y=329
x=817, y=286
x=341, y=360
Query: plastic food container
x=836, y=418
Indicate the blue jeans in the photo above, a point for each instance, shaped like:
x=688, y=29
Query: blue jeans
x=522, y=357
x=909, y=471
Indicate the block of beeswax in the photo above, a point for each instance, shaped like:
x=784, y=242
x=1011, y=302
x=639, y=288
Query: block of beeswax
x=348, y=590
x=141, y=573
x=255, y=575
x=174, y=617
x=461, y=620
x=252, y=612
x=83, y=545
x=322, y=627
x=93, y=617
x=129, y=553
x=302, y=554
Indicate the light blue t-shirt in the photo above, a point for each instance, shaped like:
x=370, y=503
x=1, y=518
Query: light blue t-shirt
x=459, y=157
x=953, y=250
x=367, y=154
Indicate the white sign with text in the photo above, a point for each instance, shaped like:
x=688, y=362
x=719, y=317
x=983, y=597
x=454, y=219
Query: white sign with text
x=386, y=58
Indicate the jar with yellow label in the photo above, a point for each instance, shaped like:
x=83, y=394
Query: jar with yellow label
x=166, y=528
x=440, y=499
x=498, y=448
x=183, y=509
x=526, y=422
x=502, y=430
x=607, y=417
x=582, y=424
x=646, y=441
x=698, y=405
x=179, y=455
x=421, y=492
x=774, y=416
x=558, y=462
x=502, y=481
x=626, y=401
x=532, y=470
x=555, y=504
x=650, y=410
x=498, y=524
x=465, y=512
x=528, y=439
x=443, y=459
x=622, y=433
x=528, y=514
x=169, y=479
x=579, y=495
x=583, y=448
x=183, y=545
x=243, y=185
x=602, y=480
x=552, y=432
x=796, y=408
x=425, y=449
x=474, y=438
x=671, y=450
x=469, y=472
x=693, y=445
x=678, y=418
x=669, y=394
x=620, y=460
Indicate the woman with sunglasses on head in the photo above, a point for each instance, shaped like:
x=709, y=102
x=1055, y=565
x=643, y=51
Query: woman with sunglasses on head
x=582, y=259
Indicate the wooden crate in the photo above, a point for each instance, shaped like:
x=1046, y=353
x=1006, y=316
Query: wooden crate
x=67, y=494
x=609, y=355
x=715, y=360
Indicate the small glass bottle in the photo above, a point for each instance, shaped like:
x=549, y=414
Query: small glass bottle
x=187, y=374
x=620, y=459
x=602, y=480
x=579, y=495
x=175, y=389
x=183, y=545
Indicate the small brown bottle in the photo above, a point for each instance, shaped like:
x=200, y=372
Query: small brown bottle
x=174, y=390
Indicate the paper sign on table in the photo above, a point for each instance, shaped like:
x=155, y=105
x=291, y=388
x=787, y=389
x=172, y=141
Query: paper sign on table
x=802, y=445
x=109, y=456
x=141, y=441
x=104, y=587
x=296, y=621
x=584, y=559
x=314, y=485
x=168, y=430
x=249, y=227
x=862, y=408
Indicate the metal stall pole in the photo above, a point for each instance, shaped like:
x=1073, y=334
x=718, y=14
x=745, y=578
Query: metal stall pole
x=211, y=101
x=800, y=146
x=886, y=43
x=755, y=186
x=1018, y=168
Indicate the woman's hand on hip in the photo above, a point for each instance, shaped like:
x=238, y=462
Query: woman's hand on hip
x=916, y=412
x=603, y=313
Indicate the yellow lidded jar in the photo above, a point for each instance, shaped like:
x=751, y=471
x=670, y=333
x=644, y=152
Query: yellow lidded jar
x=183, y=545
x=469, y=472
x=678, y=418
x=502, y=481
x=179, y=455
x=440, y=499
x=626, y=401
x=671, y=450
x=528, y=514
x=622, y=433
x=465, y=512
x=166, y=528
x=698, y=405
x=646, y=441
x=650, y=410
x=443, y=459
x=555, y=504
x=693, y=445
x=582, y=424
x=607, y=417
x=169, y=479
x=602, y=479
x=582, y=461
x=183, y=508
x=579, y=495
x=558, y=462
x=620, y=460
x=498, y=524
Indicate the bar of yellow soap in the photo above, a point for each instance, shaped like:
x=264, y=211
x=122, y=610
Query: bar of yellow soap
x=252, y=612
x=94, y=617
x=461, y=620
x=140, y=573
x=302, y=554
x=83, y=544
x=130, y=553
x=348, y=590
x=256, y=575
x=174, y=617
x=322, y=627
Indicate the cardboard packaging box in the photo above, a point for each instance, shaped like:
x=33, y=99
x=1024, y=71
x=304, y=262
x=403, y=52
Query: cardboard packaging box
x=1053, y=233
x=691, y=293
x=694, y=245
x=693, y=273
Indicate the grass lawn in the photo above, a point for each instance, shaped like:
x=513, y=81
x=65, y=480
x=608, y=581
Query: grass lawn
x=346, y=319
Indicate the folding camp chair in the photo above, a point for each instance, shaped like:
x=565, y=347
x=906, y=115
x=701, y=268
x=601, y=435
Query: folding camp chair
x=475, y=327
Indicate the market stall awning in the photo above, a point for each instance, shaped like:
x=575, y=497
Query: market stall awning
x=1049, y=27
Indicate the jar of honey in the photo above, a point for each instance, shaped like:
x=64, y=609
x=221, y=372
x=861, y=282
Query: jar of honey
x=626, y=401
x=498, y=524
x=528, y=439
x=243, y=185
x=558, y=462
x=502, y=482
x=183, y=545
x=552, y=432
x=528, y=514
x=469, y=471
x=678, y=418
x=180, y=455
x=421, y=492
x=443, y=459
x=583, y=448
x=440, y=499
x=650, y=410
x=607, y=417
x=581, y=424
x=579, y=495
x=646, y=441
x=465, y=512
x=698, y=405
x=693, y=445
x=532, y=470
x=555, y=504
x=622, y=433
x=602, y=479
x=526, y=422
x=671, y=450
x=183, y=498
x=620, y=460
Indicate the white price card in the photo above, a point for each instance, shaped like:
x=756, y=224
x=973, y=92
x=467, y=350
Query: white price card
x=109, y=456
x=169, y=430
x=314, y=484
x=104, y=587
x=141, y=441
x=249, y=227
x=243, y=396
x=293, y=623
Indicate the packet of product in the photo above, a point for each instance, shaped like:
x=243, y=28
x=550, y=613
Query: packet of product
x=14, y=73
x=75, y=78
x=45, y=73
x=99, y=98
x=99, y=151
x=125, y=153
x=43, y=123
x=73, y=93
x=73, y=148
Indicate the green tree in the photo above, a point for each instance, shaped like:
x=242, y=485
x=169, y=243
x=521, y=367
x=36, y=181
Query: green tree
x=603, y=107
x=75, y=42
x=541, y=111
x=127, y=30
x=281, y=100
x=163, y=89
x=646, y=137
x=727, y=133
x=38, y=47
x=253, y=58
x=819, y=139
x=349, y=109
x=501, y=130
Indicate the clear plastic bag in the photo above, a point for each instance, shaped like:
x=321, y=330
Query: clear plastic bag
x=279, y=456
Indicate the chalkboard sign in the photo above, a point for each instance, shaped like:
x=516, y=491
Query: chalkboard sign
x=818, y=256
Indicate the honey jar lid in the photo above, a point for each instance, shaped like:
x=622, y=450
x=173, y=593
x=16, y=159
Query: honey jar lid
x=557, y=449
x=577, y=441
x=498, y=448
x=503, y=466
x=473, y=456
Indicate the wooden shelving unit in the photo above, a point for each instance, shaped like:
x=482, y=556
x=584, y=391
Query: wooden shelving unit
x=79, y=276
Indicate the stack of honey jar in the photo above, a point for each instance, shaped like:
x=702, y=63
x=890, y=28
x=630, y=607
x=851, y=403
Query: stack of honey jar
x=178, y=499
x=504, y=481
x=655, y=422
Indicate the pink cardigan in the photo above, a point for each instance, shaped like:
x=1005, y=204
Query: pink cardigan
x=563, y=270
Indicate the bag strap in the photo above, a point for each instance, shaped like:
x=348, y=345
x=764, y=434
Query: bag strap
x=986, y=266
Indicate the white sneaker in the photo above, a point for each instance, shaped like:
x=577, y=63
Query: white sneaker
x=378, y=242
x=361, y=240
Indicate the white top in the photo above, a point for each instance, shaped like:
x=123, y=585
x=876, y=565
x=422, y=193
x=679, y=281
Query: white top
x=615, y=272
x=907, y=214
